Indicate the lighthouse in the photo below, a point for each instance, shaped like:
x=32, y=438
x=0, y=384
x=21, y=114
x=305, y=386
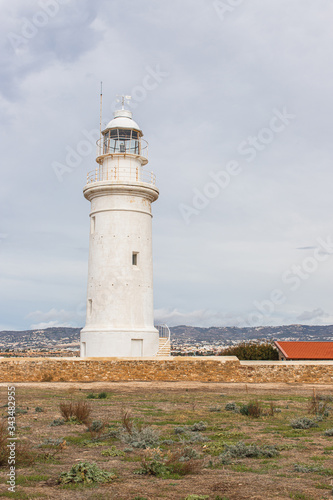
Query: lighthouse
x=120, y=317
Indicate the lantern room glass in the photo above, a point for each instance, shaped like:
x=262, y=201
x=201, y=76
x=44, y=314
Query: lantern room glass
x=121, y=141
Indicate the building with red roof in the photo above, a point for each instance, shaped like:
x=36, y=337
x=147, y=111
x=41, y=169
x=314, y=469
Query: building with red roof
x=289, y=350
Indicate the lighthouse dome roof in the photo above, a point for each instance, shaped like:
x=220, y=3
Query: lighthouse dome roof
x=123, y=119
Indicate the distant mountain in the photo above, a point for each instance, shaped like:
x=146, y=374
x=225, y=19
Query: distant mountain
x=227, y=334
x=53, y=338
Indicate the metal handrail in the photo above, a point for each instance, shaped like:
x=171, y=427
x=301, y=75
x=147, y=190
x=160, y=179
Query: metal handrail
x=119, y=174
x=164, y=333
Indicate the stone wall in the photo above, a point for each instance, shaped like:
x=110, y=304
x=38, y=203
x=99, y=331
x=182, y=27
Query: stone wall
x=203, y=369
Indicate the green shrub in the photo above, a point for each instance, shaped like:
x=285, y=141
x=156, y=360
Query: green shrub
x=57, y=421
x=303, y=423
x=38, y=409
x=194, y=437
x=197, y=497
x=91, y=395
x=137, y=436
x=113, y=452
x=232, y=407
x=179, y=429
x=87, y=473
x=252, y=409
x=241, y=450
x=252, y=351
x=102, y=395
x=198, y=426
x=329, y=432
x=95, y=426
x=307, y=469
x=168, y=464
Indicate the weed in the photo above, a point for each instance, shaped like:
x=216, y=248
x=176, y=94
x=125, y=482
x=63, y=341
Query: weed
x=179, y=429
x=137, y=436
x=102, y=395
x=113, y=452
x=80, y=410
x=241, y=450
x=164, y=465
x=51, y=448
x=56, y=422
x=38, y=409
x=252, y=409
x=194, y=437
x=312, y=469
x=198, y=426
x=303, y=423
x=96, y=427
x=232, y=407
x=215, y=408
x=318, y=407
x=328, y=432
x=197, y=497
x=87, y=473
x=188, y=454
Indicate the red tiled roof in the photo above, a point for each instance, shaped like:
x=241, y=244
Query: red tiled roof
x=305, y=350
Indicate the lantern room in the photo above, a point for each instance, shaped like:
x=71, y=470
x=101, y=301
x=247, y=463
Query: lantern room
x=122, y=137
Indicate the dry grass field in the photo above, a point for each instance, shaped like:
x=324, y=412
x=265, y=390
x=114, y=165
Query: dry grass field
x=171, y=441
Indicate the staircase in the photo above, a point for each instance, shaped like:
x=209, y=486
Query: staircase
x=164, y=349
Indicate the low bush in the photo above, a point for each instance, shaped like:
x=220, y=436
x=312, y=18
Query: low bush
x=252, y=351
x=80, y=411
x=318, y=407
x=252, y=409
x=215, y=408
x=196, y=497
x=137, y=436
x=91, y=395
x=329, y=432
x=102, y=395
x=164, y=465
x=113, y=452
x=87, y=473
x=307, y=469
x=38, y=409
x=193, y=437
x=198, y=426
x=56, y=422
x=241, y=450
x=303, y=423
x=51, y=448
x=232, y=407
x=179, y=429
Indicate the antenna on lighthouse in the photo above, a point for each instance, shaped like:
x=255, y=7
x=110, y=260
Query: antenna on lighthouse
x=100, y=119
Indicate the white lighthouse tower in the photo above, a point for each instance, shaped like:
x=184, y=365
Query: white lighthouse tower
x=120, y=319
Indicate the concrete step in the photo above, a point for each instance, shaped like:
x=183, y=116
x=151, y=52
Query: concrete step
x=164, y=347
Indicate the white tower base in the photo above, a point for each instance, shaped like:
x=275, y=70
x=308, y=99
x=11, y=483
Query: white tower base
x=122, y=344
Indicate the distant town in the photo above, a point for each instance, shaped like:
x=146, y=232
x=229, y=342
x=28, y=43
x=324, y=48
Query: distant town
x=185, y=340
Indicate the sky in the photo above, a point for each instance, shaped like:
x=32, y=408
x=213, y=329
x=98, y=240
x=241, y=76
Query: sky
x=235, y=100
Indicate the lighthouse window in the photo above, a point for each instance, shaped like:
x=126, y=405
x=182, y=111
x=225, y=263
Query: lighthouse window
x=134, y=258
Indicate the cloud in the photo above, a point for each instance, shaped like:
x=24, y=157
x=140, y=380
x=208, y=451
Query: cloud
x=50, y=324
x=57, y=318
x=311, y=315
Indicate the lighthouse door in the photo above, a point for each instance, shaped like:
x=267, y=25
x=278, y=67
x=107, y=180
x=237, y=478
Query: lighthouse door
x=136, y=348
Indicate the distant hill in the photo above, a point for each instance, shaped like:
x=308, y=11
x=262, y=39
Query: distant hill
x=51, y=338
